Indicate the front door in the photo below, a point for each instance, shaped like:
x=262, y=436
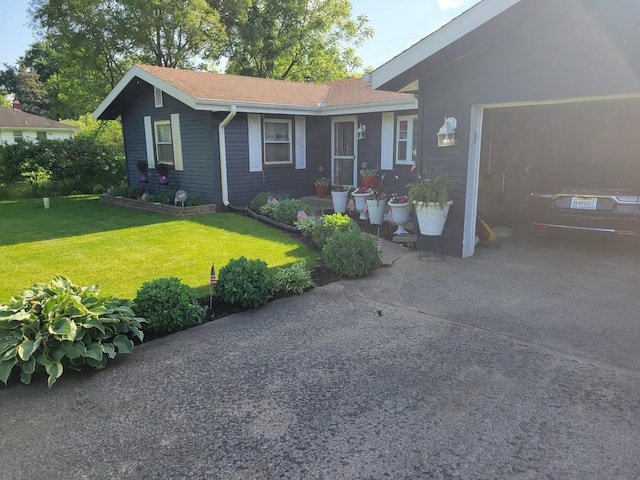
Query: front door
x=344, y=151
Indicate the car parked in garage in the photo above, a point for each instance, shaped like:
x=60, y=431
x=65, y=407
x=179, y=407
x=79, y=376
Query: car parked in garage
x=593, y=203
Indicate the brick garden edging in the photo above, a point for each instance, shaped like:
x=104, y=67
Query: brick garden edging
x=157, y=207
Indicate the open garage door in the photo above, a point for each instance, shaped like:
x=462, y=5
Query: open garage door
x=590, y=150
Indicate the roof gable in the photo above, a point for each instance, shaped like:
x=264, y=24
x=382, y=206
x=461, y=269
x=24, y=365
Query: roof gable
x=398, y=73
x=217, y=92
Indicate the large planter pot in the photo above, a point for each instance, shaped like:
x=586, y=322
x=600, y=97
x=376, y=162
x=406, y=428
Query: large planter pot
x=322, y=190
x=431, y=217
x=376, y=211
x=371, y=182
x=339, y=201
x=400, y=214
x=360, y=203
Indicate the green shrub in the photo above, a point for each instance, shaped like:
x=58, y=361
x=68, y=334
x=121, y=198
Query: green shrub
x=293, y=279
x=286, y=211
x=267, y=209
x=247, y=283
x=305, y=225
x=350, y=254
x=168, y=305
x=126, y=192
x=329, y=224
x=58, y=325
x=261, y=199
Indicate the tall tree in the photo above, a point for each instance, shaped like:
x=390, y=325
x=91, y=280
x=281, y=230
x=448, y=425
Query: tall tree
x=296, y=39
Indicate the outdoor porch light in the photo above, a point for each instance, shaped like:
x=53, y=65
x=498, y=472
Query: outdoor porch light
x=362, y=132
x=447, y=132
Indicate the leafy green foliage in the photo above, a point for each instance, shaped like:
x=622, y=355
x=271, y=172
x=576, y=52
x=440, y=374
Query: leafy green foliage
x=267, y=209
x=126, y=191
x=260, y=200
x=329, y=224
x=54, y=326
x=247, y=283
x=293, y=279
x=168, y=305
x=434, y=188
x=286, y=211
x=351, y=254
x=305, y=225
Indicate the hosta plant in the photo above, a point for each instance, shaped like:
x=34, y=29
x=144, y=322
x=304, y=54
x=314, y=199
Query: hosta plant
x=293, y=279
x=57, y=325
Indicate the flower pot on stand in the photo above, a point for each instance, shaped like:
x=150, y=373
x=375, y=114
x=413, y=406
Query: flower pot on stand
x=376, y=211
x=432, y=217
x=339, y=201
x=360, y=203
x=400, y=214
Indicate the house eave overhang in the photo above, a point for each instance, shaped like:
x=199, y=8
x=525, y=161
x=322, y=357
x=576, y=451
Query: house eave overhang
x=317, y=111
x=400, y=72
x=40, y=129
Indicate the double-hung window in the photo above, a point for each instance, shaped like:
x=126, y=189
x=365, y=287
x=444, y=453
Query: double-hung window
x=277, y=142
x=17, y=135
x=164, y=141
x=406, y=139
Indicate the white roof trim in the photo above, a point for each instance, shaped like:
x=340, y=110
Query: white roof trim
x=441, y=38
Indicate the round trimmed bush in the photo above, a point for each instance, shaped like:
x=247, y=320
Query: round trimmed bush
x=329, y=224
x=168, y=305
x=247, y=283
x=286, y=211
x=351, y=254
x=260, y=200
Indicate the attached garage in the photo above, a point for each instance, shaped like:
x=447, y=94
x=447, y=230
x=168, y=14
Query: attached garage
x=542, y=91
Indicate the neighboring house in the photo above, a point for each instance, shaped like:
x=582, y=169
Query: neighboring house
x=230, y=137
x=539, y=88
x=18, y=125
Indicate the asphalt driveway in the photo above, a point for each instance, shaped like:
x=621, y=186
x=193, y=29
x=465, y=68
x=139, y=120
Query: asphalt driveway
x=520, y=362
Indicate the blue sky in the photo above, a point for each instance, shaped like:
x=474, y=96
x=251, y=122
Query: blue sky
x=398, y=24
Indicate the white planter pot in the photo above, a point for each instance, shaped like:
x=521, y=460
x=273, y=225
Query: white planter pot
x=400, y=213
x=339, y=201
x=376, y=211
x=360, y=203
x=431, y=217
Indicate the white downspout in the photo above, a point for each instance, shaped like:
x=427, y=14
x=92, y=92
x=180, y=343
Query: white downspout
x=223, y=155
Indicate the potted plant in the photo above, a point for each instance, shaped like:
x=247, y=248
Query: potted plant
x=359, y=195
x=376, y=204
x=369, y=177
x=400, y=208
x=143, y=168
x=430, y=197
x=321, y=186
x=163, y=172
x=339, y=195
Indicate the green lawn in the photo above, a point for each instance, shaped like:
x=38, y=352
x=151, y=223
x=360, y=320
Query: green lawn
x=120, y=249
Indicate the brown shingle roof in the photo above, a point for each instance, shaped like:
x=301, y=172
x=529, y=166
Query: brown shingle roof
x=234, y=88
x=19, y=120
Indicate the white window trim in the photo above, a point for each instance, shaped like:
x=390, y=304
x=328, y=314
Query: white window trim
x=156, y=123
x=289, y=141
x=410, y=119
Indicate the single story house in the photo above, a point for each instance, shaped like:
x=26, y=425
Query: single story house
x=228, y=138
x=18, y=125
x=538, y=88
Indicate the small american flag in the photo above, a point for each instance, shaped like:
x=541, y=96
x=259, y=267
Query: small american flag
x=391, y=216
x=214, y=280
x=302, y=214
x=379, y=244
x=351, y=205
x=365, y=210
x=272, y=200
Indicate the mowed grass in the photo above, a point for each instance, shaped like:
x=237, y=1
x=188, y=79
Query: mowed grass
x=120, y=249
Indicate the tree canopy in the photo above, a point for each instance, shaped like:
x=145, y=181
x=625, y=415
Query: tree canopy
x=87, y=46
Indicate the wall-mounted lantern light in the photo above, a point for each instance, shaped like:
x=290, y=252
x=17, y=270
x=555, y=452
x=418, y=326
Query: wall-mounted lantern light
x=447, y=133
x=362, y=132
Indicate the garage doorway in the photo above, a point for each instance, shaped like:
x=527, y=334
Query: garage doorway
x=524, y=147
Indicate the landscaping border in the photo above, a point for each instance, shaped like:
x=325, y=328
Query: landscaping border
x=160, y=208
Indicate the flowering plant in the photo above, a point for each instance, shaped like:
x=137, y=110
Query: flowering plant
x=362, y=190
x=398, y=199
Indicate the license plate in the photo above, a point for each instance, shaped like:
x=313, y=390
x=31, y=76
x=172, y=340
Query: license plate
x=581, y=203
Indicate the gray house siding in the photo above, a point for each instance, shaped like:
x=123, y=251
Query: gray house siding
x=200, y=176
x=526, y=55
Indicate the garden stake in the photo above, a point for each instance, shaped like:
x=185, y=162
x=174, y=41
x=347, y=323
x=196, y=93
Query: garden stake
x=212, y=283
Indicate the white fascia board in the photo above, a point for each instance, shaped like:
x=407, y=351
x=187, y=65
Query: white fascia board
x=441, y=38
x=275, y=109
x=134, y=72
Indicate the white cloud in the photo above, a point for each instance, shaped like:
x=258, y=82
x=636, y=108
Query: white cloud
x=448, y=4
